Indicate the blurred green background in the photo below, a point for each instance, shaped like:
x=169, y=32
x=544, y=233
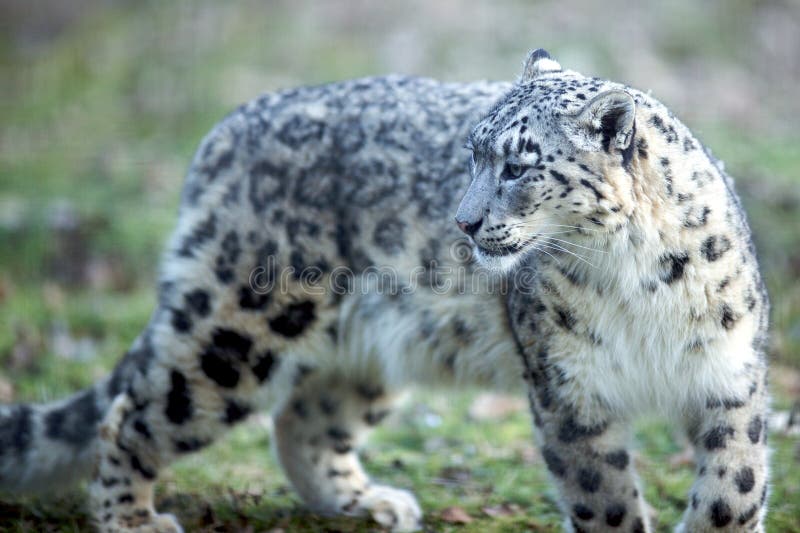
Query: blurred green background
x=102, y=103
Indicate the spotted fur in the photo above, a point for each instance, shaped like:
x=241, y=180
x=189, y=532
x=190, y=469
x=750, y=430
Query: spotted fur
x=274, y=294
x=646, y=295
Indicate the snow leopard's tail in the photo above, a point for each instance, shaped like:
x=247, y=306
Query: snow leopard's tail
x=44, y=447
x=47, y=446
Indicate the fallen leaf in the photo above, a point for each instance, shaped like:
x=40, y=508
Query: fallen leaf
x=6, y=290
x=105, y=272
x=683, y=458
x=53, y=296
x=785, y=379
x=488, y=406
x=453, y=476
x=504, y=509
x=6, y=390
x=529, y=455
x=456, y=515
x=27, y=348
x=64, y=344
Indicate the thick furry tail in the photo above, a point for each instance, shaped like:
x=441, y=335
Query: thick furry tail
x=47, y=446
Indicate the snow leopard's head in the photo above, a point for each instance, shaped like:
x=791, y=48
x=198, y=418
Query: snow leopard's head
x=545, y=161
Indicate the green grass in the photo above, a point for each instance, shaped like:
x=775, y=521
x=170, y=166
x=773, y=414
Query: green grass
x=98, y=126
x=461, y=462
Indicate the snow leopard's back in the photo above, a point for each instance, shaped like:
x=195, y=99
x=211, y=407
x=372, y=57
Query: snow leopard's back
x=301, y=187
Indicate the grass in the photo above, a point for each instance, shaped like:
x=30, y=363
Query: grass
x=477, y=466
x=98, y=125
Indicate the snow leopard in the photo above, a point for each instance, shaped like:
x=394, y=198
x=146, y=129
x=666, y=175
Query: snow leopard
x=562, y=235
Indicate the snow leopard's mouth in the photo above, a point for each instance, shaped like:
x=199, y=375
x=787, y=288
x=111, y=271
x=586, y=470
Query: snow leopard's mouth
x=503, y=251
x=504, y=257
x=506, y=250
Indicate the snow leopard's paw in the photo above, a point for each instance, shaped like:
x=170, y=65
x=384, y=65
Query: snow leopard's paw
x=390, y=507
x=141, y=522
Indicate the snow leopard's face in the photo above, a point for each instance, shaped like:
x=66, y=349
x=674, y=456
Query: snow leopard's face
x=540, y=162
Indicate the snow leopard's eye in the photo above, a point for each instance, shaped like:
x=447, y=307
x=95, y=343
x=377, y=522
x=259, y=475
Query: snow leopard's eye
x=513, y=171
x=471, y=149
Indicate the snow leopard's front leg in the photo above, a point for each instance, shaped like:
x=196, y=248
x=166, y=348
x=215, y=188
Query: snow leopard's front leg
x=730, y=438
x=317, y=432
x=584, y=446
x=592, y=469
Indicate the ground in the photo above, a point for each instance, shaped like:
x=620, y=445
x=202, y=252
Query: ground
x=102, y=111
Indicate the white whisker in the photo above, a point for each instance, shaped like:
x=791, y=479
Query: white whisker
x=538, y=249
x=573, y=244
x=570, y=252
x=555, y=232
x=532, y=224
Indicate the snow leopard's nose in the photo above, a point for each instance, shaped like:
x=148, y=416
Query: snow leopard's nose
x=469, y=227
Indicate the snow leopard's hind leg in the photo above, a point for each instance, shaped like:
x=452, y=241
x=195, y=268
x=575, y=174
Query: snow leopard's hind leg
x=121, y=492
x=182, y=396
x=317, y=433
x=185, y=383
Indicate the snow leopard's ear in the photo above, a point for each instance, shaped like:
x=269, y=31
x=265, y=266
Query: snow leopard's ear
x=606, y=121
x=538, y=62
